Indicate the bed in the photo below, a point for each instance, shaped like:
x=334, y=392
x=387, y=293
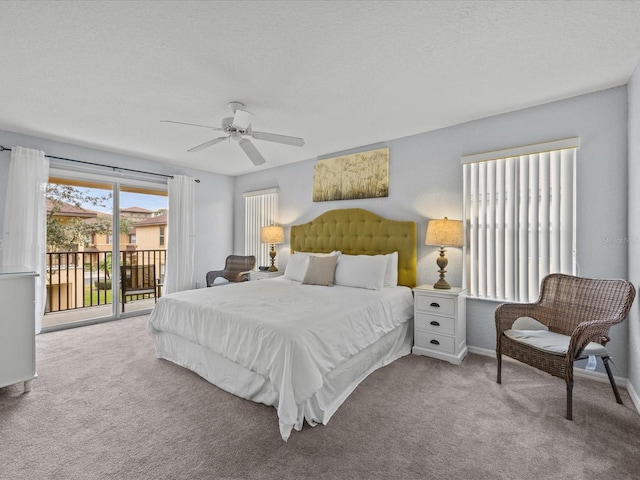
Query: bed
x=294, y=342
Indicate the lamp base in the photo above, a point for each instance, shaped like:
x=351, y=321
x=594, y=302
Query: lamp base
x=272, y=254
x=442, y=285
x=442, y=264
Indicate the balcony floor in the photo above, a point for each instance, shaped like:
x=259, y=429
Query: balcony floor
x=55, y=319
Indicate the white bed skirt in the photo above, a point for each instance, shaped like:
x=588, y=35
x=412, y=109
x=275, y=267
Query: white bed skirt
x=236, y=379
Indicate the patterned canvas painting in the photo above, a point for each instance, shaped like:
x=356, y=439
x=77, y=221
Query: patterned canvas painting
x=358, y=175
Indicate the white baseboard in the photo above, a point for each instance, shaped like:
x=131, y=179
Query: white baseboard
x=578, y=372
x=482, y=351
x=634, y=395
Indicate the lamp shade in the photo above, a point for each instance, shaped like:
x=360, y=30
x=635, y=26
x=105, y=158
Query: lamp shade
x=445, y=232
x=272, y=234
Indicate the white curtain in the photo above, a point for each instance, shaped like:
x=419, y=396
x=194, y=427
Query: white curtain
x=180, y=244
x=24, y=242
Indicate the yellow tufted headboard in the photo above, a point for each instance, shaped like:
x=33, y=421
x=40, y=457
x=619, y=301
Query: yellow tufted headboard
x=355, y=231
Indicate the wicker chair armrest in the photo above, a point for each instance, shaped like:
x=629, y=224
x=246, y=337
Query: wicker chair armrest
x=242, y=276
x=212, y=275
x=507, y=313
x=586, y=332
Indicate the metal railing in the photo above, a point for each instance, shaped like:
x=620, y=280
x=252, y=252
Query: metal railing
x=83, y=279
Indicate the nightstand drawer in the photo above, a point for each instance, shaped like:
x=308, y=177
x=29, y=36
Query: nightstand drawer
x=433, y=341
x=435, y=323
x=430, y=304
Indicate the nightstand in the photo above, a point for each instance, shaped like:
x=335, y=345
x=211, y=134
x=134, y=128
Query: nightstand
x=440, y=323
x=258, y=275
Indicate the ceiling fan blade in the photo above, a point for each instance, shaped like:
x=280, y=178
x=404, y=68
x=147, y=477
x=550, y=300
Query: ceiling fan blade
x=191, y=124
x=272, y=137
x=207, y=144
x=242, y=119
x=251, y=151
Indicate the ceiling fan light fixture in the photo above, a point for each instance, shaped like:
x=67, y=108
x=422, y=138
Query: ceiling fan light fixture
x=235, y=135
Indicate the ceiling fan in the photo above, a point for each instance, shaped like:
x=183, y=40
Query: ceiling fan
x=237, y=128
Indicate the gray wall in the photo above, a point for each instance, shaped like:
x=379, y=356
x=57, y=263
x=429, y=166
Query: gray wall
x=214, y=194
x=634, y=229
x=426, y=182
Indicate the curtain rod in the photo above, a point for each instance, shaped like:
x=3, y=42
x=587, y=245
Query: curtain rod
x=2, y=149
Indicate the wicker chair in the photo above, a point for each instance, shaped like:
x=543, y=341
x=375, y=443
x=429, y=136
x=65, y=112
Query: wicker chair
x=236, y=269
x=577, y=312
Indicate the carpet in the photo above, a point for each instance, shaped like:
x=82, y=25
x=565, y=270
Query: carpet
x=103, y=407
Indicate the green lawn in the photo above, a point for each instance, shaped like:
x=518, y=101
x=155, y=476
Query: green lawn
x=98, y=297
x=94, y=297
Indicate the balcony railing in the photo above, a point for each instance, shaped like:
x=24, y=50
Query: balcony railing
x=83, y=279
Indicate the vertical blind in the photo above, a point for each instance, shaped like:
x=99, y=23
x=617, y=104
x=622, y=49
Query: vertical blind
x=260, y=210
x=520, y=218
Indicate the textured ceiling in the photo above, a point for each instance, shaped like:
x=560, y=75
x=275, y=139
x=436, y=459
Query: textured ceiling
x=340, y=74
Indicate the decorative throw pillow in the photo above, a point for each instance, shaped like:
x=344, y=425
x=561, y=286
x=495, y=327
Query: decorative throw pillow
x=321, y=270
x=361, y=271
x=299, y=262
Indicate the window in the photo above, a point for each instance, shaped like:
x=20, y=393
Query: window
x=520, y=218
x=161, y=239
x=260, y=210
x=132, y=238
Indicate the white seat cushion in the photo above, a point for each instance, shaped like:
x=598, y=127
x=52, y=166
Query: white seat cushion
x=528, y=323
x=552, y=342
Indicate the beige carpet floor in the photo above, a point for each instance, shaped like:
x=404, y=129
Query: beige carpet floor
x=104, y=407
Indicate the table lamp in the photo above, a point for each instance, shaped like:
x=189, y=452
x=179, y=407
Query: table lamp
x=272, y=234
x=444, y=233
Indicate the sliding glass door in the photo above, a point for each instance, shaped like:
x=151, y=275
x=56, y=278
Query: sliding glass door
x=106, y=250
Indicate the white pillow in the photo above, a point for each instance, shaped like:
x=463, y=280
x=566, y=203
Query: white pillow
x=299, y=262
x=361, y=271
x=297, y=266
x=313, y=254
x=391, y=273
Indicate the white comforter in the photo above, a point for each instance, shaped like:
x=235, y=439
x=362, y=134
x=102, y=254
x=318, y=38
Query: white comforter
x=290, y=333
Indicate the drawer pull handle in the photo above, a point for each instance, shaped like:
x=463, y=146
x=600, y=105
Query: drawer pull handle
x=435, y=342
x=435, y=305
x=435, y=324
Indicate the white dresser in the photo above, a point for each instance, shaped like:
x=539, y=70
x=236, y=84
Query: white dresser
x=440, y=323
x=17, y=327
